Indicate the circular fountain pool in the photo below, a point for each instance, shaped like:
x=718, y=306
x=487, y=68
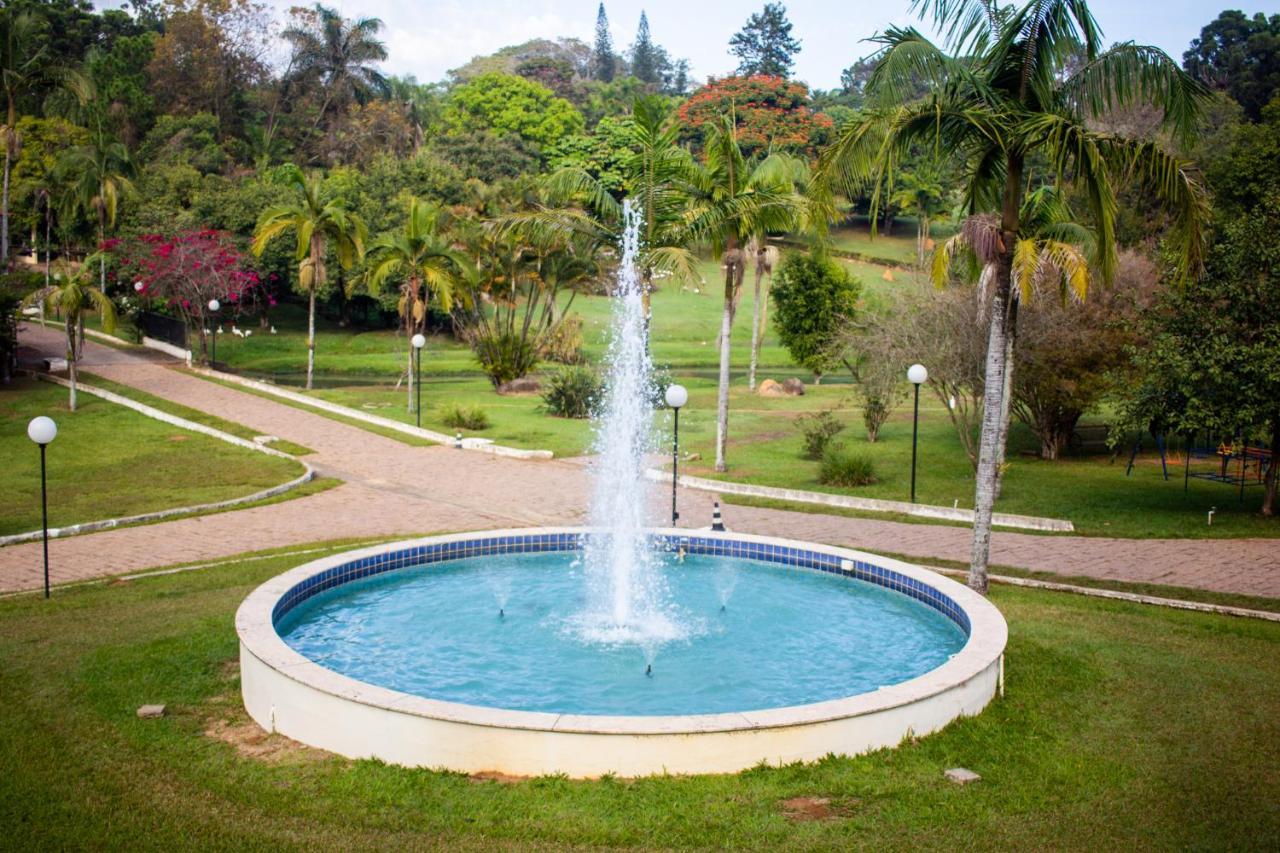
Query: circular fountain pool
x=469, y=652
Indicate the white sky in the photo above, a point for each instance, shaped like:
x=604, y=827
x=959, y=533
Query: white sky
x=427, y=37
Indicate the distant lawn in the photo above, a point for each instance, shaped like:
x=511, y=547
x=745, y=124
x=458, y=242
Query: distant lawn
x=1123, y=727
x=109, y=461
x=1092, y=492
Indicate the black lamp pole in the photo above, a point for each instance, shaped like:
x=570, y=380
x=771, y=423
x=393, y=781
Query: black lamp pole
x=44, y=518
x=214, y=305
x=915, y=434
x=41, y=431
x=917, y=375
x=417, y=372
x=675, y=467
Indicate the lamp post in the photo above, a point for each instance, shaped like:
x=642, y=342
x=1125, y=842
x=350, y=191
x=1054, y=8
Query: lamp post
x=918, y=375
x=419, y=341
x=42, y=431
x=214, y=305
x=677, y=396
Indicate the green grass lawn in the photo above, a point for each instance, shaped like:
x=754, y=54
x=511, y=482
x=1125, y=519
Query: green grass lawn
x=1123, y=727
x=109, y=461
x=1092, y=492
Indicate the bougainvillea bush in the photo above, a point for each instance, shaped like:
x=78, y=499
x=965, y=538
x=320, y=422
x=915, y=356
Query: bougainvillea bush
x=184, y=271
x=770, y=112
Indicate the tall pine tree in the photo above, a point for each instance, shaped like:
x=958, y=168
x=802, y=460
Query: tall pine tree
x=765, y=45
x=645, y=58
x=602, y=60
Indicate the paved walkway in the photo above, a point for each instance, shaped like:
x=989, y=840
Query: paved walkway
x=394, y=489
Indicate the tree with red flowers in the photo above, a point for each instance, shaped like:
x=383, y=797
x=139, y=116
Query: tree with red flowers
x=187, y=270
x=771, y=113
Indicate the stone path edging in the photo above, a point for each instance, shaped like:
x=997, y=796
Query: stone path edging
x=307, y=475
x=999, y=519
x=1117, y=595
x=482, y=445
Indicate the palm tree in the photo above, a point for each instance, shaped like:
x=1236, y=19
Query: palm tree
x=22, y=62
x=426, y=265
x=340, y=55
x=315, y=218
x=920, y=190
x=98, y=176
x=1011, y=95
x=72, y=297
x=1055, y=252
x=731, y=202
x=656, y=171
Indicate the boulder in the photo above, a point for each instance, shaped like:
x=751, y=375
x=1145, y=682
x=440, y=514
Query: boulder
x=771, y=388
x=793, y=386
x=523, y=385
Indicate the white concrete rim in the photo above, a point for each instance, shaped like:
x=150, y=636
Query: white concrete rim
x=988, y=636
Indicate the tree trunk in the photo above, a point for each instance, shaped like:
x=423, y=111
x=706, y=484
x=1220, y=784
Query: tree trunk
x=1006, y=391
x=48, y=251
x=102, y=257
x=758, y=307
x=922, y=229
x=733, y=262
x=4, y=214
x=311, y=335
x=985, y=485
x=1269, y=507
x=71, y=359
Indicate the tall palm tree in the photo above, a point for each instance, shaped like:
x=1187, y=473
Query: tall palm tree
x=731, y=202
x=921, y=192
x=1008, y=95
x=1055, y=252
x=98, y=176
x=72, y=297
x=340, y=55
x=23, y=60
x=655, y=174
x=424, y=261
x=315, y=218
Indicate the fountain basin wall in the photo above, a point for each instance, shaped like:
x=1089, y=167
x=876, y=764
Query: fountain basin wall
x=288, y=693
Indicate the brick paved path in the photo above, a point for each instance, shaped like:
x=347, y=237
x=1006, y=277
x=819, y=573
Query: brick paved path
x=393, y=489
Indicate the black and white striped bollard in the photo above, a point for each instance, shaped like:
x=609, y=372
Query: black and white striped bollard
x=717, y=523
x=457, y=440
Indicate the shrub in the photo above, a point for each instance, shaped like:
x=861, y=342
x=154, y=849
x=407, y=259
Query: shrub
x=813, y=298
x=842, y=468
x=818, y=429
x=572, y=392
x=659, y=380
x=875, y=411
x=466, y=417
x=503, y=356
x=564, y=344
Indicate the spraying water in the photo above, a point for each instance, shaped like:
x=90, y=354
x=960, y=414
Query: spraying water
x=627, y=600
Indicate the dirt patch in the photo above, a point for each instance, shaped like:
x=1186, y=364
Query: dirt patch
x=495, y=776
x=251, y=741
x=178, y=437
x=800, y=809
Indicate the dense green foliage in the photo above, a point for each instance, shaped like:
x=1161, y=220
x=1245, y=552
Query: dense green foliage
x=845, y=468
x=1240, y=54
x=765, y=45
x=572, y=392
x=511, y=105
x=813, y=297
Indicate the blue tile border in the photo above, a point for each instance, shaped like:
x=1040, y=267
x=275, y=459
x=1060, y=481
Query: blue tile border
x=483, y=546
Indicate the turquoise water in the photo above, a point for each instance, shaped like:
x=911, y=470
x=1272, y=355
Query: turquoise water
x=785, y=637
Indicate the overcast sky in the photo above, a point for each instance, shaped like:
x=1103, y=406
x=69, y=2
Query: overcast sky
x=428, y=37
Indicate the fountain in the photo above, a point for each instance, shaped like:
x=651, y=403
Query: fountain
x=395, y=652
